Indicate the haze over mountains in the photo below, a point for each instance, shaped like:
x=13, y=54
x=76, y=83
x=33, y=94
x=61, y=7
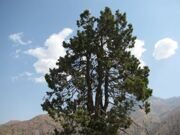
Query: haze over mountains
x=164, y=119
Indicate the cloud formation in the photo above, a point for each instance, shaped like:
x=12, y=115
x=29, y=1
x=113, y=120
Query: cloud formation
x=18, y=39
x=39, y=79
x=165, y=48
x=17, y=52
x=48, y=54
x=138, y=50
x=22, y=75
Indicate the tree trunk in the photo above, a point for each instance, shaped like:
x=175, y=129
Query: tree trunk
x=106, y=94
x=98, y=102
x=89, y=92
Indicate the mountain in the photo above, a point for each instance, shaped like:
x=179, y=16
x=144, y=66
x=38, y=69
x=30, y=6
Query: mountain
x=164, y=119
x=170, y=125
x=39, y=125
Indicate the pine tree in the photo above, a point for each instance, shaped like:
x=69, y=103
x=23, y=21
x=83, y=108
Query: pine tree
x=99, y=82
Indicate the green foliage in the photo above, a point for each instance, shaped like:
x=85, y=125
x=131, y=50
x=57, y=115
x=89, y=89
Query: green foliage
x=105, y=82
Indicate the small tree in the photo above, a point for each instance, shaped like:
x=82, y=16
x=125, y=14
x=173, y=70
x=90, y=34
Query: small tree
x=98, y=83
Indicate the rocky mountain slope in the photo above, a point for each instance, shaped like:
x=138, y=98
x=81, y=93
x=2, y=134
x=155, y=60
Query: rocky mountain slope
x=39, y=125
x=164, y=119
x=170, y=125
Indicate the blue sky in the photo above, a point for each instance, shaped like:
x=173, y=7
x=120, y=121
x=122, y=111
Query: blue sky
x=31, y=33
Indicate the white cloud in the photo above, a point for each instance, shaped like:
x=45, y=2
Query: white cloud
x=18, y=38
x=165, y=48
x=48, y=54
x=17, y=52
x=26, y=75
x=138, y=50
x=39, y=79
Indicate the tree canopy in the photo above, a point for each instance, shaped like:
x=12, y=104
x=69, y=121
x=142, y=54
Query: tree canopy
x=98, y=83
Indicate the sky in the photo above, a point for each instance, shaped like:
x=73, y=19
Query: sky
x=31, y=36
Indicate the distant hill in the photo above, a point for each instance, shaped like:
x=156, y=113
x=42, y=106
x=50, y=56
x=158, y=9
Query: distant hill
x=170, y=125
x=164, y=119
x=39, y=125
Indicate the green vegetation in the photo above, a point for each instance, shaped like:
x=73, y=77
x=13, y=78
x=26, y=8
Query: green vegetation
x=98, y=83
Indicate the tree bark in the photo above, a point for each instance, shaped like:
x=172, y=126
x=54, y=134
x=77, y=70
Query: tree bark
x=98, y=100
x=106, y=94
x=89, y=92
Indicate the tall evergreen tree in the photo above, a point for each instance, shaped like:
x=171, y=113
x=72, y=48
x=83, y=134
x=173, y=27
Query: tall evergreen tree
x=99, y=82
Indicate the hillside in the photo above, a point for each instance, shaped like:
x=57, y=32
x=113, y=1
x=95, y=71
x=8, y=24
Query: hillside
x=170, y=125
x=164, y=119
x=39, y=125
